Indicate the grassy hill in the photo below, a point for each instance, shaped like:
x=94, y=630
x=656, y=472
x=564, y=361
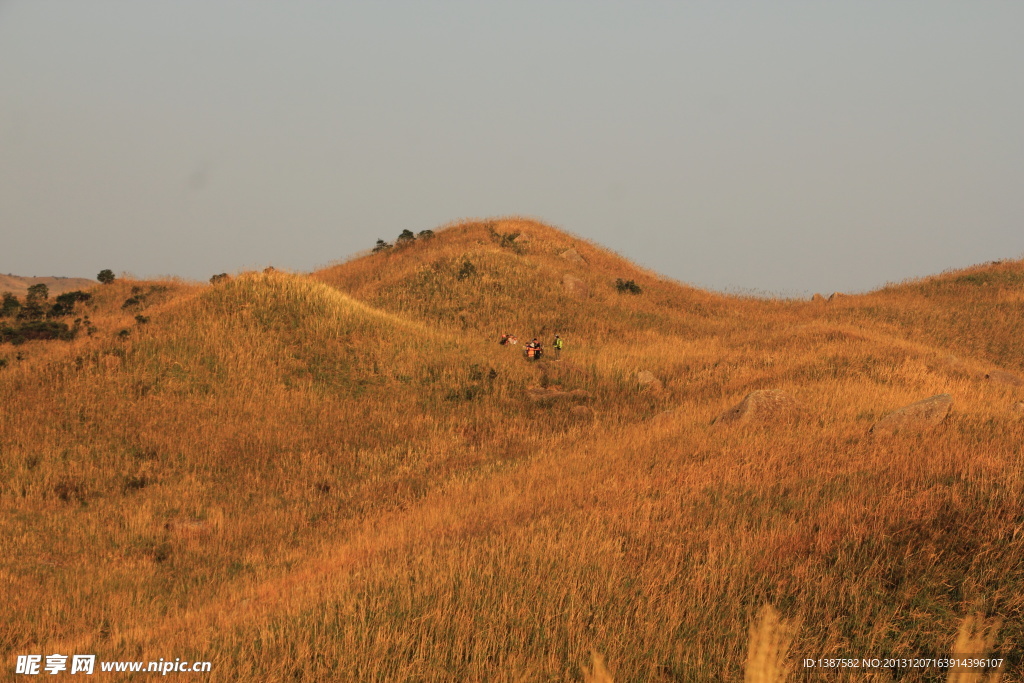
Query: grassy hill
x=342, y=476
x=18, y=285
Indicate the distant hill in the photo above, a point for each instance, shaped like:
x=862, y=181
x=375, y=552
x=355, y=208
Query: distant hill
x=19, y=285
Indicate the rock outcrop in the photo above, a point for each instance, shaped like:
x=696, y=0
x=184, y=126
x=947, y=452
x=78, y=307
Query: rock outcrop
x=916, y=417
x=647, y=380
x=763, y=405
x=573, y=256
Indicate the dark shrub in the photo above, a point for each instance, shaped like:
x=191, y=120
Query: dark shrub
x=406, y=237
x=38, y=292
x=507, y=240
x=426, y=234
x=220, y=277
x=467, y=270
x=136, y=483
x=36, y=329
x=141, y=319
x=69, y=299
x=106, y=276
x=66, y=303
x=69, y=490
x=32, y=310
x=627, y=287
x=381, y=246
x=10, y=306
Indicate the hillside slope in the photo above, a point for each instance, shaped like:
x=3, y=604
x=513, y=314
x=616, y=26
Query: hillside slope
x=19, y=285
x=343, y=476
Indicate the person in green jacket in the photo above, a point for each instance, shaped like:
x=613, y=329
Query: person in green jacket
x=558, y=344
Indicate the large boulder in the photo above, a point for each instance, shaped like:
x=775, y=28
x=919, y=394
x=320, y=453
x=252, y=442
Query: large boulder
x=573, y=256
x=575, y=287
x=647, y=380
x=916, y=417
x=762, y=405
x=818, y=298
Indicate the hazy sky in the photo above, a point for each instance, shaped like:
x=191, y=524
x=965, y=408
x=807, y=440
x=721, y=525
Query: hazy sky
x=786, y=147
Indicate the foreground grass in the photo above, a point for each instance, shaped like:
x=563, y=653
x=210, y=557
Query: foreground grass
x=340, y=479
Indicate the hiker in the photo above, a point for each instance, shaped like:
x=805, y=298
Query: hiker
x=508, y=340
x=558, y=344
x=533, y=350
x=504, y=339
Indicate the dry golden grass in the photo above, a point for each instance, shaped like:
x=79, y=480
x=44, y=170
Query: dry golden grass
x=341, y=477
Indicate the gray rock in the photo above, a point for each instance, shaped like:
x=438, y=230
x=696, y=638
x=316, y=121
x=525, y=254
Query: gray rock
x=916, y=417
x=572, y=255
x=646, y=378
x=763, y=405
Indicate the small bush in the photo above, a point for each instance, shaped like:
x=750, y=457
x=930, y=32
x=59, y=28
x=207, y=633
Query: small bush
x=38, y=292
x=381, y=246
x=406, y=237
x=131, y=301
x=71, y=298
x=467, y=270
x=32, y=310
x=506, y=240
x=141, y=319
x=65, y=303
x=70, y=490
x=136, y=483
x=106, y=276
x=627, y=287
x=425, y=234
x=220, y=277
x=10, y=306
